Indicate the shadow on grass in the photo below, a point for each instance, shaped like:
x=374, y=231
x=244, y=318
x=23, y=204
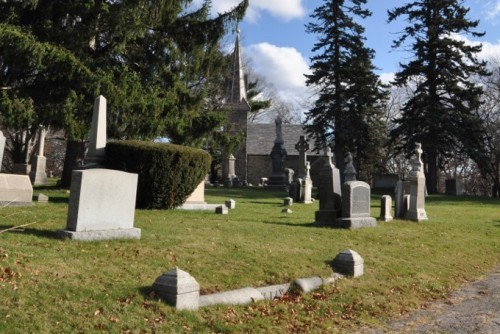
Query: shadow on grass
x=31, y=231
x=292, y=224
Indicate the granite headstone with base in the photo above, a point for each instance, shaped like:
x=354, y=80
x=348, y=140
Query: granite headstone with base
x=278, y=154
x=329, y=193
x=101, y=206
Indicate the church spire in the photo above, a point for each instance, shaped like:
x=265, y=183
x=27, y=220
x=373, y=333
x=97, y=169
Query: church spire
x=238, y=87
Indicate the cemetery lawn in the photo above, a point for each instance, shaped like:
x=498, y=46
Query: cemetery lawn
x=49, y=285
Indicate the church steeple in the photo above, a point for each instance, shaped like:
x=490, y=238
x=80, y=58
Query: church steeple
x=238, y=91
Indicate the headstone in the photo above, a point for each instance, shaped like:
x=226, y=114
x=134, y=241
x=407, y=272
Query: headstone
x=454, y=187
x=278, y=155
x=230, y=204
x=307, y=185
x=329, y=193
x=355, y=206
x=288, y=201
x=42, y=198
x=386, y=208
x=406, y=205
x=2, y=148
x=286, y=210
x=302, y=147
x=38, y=175
x=295, y=190
x=15, y=190
x=101, y=205
x=402, y=189
x=179, y=289
x=231, y=179
x=417, y=187
x=96, y=154
x=385, y=182
x=289, y=175
x=350, y=171
x=234, y=297
x=348, y=262
x=263, y=181
x=197, y=196
x=221, y=210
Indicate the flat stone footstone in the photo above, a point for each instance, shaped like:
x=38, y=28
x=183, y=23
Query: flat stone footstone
x=221, y=210
x=233, y=297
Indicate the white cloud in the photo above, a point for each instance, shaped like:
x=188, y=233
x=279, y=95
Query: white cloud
x=284, y=9
x=492, y=10
x=489, y=50
x=283, y=67
x=387, y=77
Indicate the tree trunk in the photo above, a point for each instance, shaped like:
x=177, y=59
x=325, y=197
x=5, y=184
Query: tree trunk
x=73, y=159
x=432, y=172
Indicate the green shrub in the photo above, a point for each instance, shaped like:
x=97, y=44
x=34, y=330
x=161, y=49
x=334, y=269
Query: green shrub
x=168, y=173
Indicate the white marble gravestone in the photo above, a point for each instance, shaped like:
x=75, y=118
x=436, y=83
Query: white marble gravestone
x=416, y=210
x=15, y=190
x=2, y=148
x=386, y=208
x=101, y=205
x=96, y=154
x=38, y=174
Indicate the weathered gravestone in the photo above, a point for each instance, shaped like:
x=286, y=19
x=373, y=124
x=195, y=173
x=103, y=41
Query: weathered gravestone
x=348, y=262
x=417, y=187
x=386, y=208
x=231, y=180
x=329, y=193
x=2, y=148
x=38, y=175
x=15, y=190
x=101, y=205
x=454, y=187
x=355, y=206
x=400, y=206
x=355, y=200
x=278, y=154
x=307, y=185
x=96, y=154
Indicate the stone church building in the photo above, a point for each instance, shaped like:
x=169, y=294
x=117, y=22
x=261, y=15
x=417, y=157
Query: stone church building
x=253, y=160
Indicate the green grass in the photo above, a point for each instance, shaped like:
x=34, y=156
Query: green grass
x=49, y=285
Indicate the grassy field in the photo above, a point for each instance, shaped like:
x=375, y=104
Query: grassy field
x=49, y=285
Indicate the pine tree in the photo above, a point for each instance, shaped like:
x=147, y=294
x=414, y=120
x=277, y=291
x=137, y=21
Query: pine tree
x=348, y=110
x=440, y=114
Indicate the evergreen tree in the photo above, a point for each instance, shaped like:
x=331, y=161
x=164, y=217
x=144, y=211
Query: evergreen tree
x=441, y=112
x=349, y=108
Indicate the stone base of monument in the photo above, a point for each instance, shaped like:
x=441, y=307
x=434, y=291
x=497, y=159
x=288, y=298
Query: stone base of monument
x=418, y=215
x=131, y=233
x=277, y=180
x=353, y=223
x=101, y=205
x=325, y=217
x=15, y=190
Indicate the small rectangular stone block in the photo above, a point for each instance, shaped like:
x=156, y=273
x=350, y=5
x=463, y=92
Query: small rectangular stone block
x=221, y=210
x=230, y=204
x=15, y=190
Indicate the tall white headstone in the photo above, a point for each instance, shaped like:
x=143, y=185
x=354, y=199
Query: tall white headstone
x=2, y=148
x=96, y=153
x=38, y=175
x=417, y=187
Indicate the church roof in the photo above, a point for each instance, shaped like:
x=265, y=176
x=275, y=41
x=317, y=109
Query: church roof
x=260, y=138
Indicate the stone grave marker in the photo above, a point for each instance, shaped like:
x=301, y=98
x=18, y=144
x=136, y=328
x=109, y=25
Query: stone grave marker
x=355, y=206
x=278, y=155
x=402, y=189
x=329, y=193
x=307, y=185
x=302, y=147
x=101, y=205
x=96, y=153
x=231, y=179
x=230, y=204
x=38, y=174
x=2, y=148
x=221, y=210
x=454, y=187
x=417, y=187
x=179, y=289
x=348, y=262
x=15, y=190
x=386, y=208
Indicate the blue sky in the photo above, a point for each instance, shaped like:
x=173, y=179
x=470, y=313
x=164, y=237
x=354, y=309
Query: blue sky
x=274, y=40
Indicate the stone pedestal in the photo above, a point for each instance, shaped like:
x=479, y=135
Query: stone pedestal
x=179, y=289
x=278, y=176
x=417, y=188
x=101, y=205
x=96, y=154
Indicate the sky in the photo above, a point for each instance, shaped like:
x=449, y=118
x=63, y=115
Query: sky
x=275, y=43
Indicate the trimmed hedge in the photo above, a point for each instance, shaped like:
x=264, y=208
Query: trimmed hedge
x=168, y=173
